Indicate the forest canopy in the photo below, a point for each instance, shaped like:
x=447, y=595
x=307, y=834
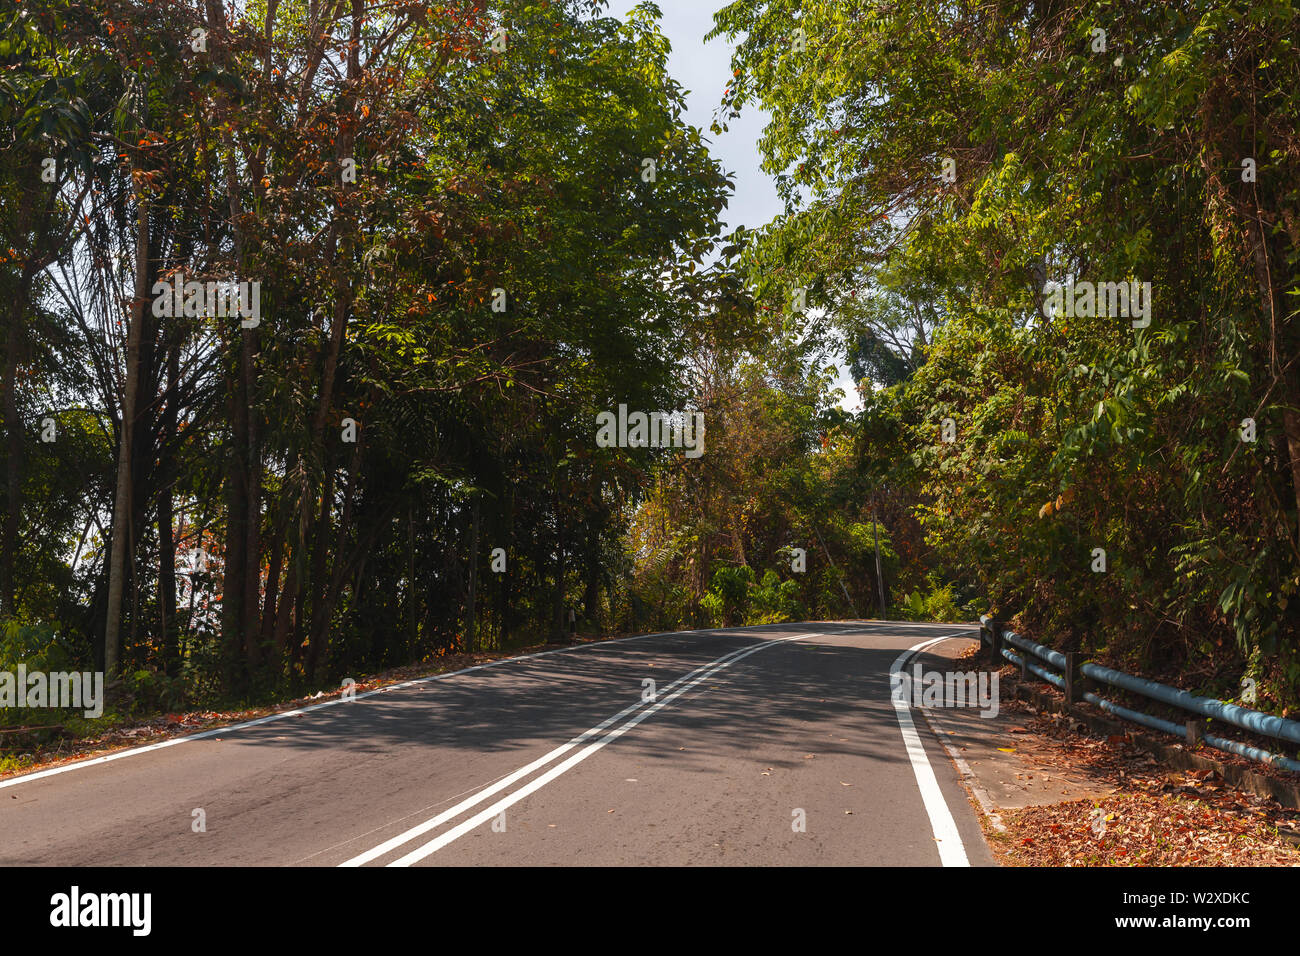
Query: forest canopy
x=431, y=245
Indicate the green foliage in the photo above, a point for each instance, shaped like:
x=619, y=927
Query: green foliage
x=259, y=550
x=727, y=599
x=1072, y=432
x=148, y=691
x=737, y=596
x=773, y=601
x=938, y=602
x=39, y=648
x=773, y=522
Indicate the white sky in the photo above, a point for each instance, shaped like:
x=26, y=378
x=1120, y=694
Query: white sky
x=703, y=70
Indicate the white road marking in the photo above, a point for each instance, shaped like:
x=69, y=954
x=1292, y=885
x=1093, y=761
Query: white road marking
x=487, y=814
x=947, y=839
x=498, y=786
x=231, y=728
x=951, y=850
x=986, y=804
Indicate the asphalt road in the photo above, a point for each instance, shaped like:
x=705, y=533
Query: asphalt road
x=563, y=758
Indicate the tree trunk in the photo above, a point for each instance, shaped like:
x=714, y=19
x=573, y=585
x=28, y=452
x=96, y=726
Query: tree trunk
x=471, y=599
x=557, y=628
x=412, y=636
x=591, y=599
x=250, y=622
x=166, y=526
x=13, y=464
x=233, y=557
x=275, y=567
x=122, y=499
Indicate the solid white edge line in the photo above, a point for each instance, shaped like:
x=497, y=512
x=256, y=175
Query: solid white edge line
x=230, y=728
x=484, y=815
x=947, y=839
x=986, y=804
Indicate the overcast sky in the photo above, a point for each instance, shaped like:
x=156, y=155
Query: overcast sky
x=703, y=69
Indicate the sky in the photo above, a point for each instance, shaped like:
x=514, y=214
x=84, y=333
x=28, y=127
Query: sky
x=703, y=69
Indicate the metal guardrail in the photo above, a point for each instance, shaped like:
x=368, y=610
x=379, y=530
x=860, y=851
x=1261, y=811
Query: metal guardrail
x=1079, y=680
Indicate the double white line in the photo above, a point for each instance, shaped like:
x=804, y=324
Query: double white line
x=595, y=738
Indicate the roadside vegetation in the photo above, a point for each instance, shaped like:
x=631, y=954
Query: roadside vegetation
x=1123, y=479
x=476, y=227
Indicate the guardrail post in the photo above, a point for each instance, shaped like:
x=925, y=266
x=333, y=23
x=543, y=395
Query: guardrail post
x=1080, y=684
x=1073, y=688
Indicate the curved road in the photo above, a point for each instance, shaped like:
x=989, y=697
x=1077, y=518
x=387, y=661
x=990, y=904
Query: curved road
x=773, y=745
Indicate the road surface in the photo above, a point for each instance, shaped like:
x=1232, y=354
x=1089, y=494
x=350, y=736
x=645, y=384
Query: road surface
x=764, y=746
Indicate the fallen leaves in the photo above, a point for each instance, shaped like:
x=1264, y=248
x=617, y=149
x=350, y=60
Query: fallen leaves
x=1143, y=829
x=1157, y=816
